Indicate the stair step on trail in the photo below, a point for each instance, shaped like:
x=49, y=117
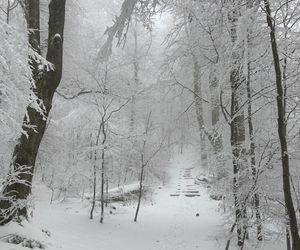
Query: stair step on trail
x=192, y=195
x=191, y=191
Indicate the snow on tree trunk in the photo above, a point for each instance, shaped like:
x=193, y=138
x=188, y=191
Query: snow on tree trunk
x=237, y=128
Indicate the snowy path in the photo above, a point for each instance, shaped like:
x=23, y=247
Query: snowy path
x=170, y=224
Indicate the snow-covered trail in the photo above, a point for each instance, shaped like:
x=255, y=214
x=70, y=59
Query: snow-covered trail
x=170, y=224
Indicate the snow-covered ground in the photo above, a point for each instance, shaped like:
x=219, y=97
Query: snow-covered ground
x=182, y=217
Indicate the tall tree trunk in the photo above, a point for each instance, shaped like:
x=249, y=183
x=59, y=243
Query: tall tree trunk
x=26, y=150
x=199, y=110
x=282, y=123
x=237, y=128
x=256, y=199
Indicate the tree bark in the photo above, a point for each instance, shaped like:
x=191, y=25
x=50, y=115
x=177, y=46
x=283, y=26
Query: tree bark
x=26, y=150
x=282, y=123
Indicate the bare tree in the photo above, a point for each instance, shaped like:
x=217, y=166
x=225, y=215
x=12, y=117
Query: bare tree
x=282, y=131
x=146, y=159
x=106, y=113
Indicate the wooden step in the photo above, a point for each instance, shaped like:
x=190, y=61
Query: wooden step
x=192, y=195
x=191, y=191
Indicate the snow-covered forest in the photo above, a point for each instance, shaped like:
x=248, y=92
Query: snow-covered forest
x=150, y=124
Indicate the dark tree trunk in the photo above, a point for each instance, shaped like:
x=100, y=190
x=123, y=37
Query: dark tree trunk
x=26, y=150
x=282, y=123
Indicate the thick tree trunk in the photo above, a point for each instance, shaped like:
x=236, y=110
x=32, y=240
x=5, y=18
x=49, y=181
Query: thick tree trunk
x=26, y=150
x=282, y=123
